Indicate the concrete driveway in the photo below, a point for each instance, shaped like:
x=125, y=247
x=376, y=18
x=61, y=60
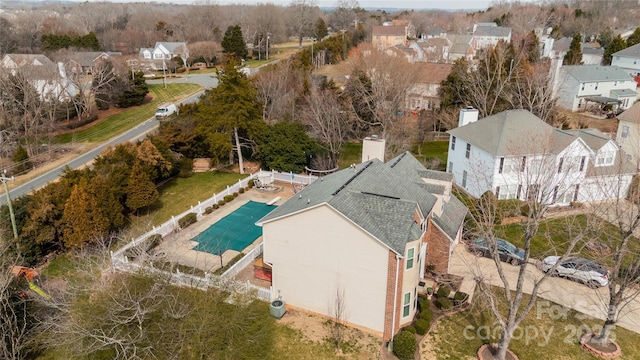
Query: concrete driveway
x=567, y=293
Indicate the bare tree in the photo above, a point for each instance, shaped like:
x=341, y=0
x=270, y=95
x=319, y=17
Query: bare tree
x=540, y=185
x=302, y=18
x=338, y=311
x=327, y=121
x=278, y=86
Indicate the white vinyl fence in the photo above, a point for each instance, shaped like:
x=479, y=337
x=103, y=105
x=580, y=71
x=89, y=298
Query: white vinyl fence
x=120, y=261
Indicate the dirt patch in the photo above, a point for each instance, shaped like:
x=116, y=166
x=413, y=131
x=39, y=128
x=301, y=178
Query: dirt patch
x=358, y=344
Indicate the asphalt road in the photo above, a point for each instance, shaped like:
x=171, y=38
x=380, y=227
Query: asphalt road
x=86, y=158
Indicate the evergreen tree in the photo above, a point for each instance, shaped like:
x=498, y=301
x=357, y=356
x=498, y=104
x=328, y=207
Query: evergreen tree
x=21, y=158
x=321, y=29
x=89, y=41
x=605, y=37
x=141, y=191
x=230, y=110
x=634, y=38
x=574, y=55
x=233, y=43
x=83, y=219
x=285, y=146
x=616, y=45
x=136, y=92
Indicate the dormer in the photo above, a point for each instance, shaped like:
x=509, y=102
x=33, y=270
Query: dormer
x=606, y=155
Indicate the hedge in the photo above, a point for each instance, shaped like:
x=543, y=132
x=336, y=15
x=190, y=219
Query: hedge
x=228, y=198
x=404, y=345
x=251, y=183
x=208, y=210
x=221, y=202
x=425, y=313
x=460, y=298
x=443, y=292
x=187, y=220
x=235, y=194
x=410, y=329
x=422, y=326
x=444, y=303
x=241, y=190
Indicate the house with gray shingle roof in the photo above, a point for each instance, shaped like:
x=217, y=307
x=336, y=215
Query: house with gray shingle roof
x=580, y=87
x=516, y=155
x=628, y=59
x=162, y=52
x=366, y=233
x=489, y=34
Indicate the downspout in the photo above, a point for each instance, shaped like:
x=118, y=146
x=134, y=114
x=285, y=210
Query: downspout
x=395, y=299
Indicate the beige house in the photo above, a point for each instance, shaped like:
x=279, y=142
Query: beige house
x=362, y=238
x=424, y=94
x=628, y=135
x=392, y=33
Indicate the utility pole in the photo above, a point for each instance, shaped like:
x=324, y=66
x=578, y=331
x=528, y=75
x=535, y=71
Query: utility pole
x=268, y=36
x=164, y=75
x=4, y=180
x=313, y=40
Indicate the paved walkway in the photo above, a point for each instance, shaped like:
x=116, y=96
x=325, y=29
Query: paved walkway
x=570, y=294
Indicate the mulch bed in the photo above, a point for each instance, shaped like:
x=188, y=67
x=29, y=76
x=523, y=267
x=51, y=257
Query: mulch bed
x=487, y=351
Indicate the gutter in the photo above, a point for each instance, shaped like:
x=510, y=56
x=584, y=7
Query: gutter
x=395, y=298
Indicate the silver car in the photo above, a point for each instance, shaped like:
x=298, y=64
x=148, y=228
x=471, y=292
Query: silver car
x=577, y=269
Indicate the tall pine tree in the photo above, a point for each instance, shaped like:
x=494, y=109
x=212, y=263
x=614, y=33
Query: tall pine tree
x=142, y=191
x=233, y=43
x=574, y=55
x=84, y=221
x=614, y=46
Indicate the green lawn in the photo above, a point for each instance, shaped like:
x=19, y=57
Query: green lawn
x=433, y=153
x=351, y=153
x=180, y=194
x=546, y=333
x=128, y=119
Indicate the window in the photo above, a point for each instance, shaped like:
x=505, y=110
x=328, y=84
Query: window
x=555, y=194
x=577, y=191
x=519, y=191
x=505, y=192
x=468, y=153
x=453, y=143
x=524, y=163
x=582, y=161
x=560, y=166
x=410, y=258
x=501, y=166
x=498, y=192
x=464, y=179
x=625, y=131
x=450, y=167
x=605, y=158
x=406, y=304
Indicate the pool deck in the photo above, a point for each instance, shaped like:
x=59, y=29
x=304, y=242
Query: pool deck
x=178, y=247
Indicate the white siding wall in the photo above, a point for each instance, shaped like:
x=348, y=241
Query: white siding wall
x=632, y=65
x=603, y=188
x=572, y=92
x=310, y=261
x=478, y=167
x=410, y=282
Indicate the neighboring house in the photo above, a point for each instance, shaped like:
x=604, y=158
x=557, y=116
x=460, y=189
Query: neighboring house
x=489, y=34
x=163, y=51
x=363, y=236
x=628, y=135
x=578, y=85
x=461, y=46
x=628, y=59
x=434, y=49
x=13, y=61
x=436, y=32
x=424, y=94
x=516, y=155
x=84, y=63
x=392, y=33
x=592, y=54
x=48, y=78
x=403, y=51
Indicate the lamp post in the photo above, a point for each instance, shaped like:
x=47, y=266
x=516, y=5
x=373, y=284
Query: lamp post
x=313, y=40
x=268, y=36
x=4, y=180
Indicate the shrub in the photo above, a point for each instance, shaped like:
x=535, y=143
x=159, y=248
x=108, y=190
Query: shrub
x=228, y=198
x=422, y=326
x=241, y=190
x=410, y=329
x=423, y=305
x=460, y=298
x=215, y=206
x=221, y=270
x=208, y=210
x=153, y=241
x=185, y=166
x=221, y=202
x=404, y=345
x=444, y=303
x=443, y=292
x=187, y=220
x=425, y=313
x=487, y=208
x=251, y=183
x=235, y=194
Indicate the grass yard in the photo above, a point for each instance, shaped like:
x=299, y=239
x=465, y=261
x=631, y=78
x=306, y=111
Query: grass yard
x=540, y=335
x=179, y=194
x=126, y=120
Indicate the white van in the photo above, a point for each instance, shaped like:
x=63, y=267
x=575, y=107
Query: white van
x=166, y=110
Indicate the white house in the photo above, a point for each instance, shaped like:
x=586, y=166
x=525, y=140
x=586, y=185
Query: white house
x=48, y=78
x=164, y=51
x=578, y=85
x=14, y=61
x=516, y=155
x=489, y=34
x=628, y=59
x=363, y=236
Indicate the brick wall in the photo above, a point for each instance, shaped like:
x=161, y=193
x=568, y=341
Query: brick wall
x=438, y=249
x=393, y=288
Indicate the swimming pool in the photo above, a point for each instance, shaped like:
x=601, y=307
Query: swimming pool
x=235, y=231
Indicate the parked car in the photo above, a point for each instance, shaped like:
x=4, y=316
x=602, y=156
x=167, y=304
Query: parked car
x=506, y=250
x=578, y=269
